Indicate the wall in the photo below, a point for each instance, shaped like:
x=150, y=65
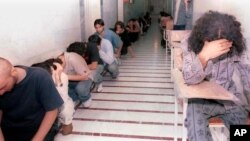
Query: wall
x=238, y=8
x=161, y=5
x=32, y=31
x=182, y=15
x=120, y=10
x=110, y=12
x=90, y=10
x=135, y=10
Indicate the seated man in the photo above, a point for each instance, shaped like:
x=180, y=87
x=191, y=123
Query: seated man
x=133, y=28
x=123, y=33
x=90, y=53
x=213, y=51
x=80, y=79
x=106, y=54
x=109, y=35
x=66, y=111
x=29, y=102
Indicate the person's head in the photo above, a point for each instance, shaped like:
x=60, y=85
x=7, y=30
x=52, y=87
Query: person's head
x=96, y=39
x=119, y=27
x=213, y=26
x=7, y=76
x=78, y=47
x=130, y=22
x=99, y=25
x=62, y=58
x=50, y=65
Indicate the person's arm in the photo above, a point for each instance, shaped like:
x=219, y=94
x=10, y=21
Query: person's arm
x=93, y=65
x=108, y=55
x=213, y=49
x=243, y=67
x=192, y=69
x=46, y=124
x=118, y=52
x=117, y=42
x=50, y=100
x=194, y=65
x=94, y=55
x=1, y=133
x=78, y=77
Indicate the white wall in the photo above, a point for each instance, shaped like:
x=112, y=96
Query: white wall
x=110, y=12
x=34, y=30
x=120, y=10
x=239, y=8
x=90, y=11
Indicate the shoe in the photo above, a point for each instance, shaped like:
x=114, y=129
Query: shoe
x=114, y=77
x=77, y=104
x=67, y=129
x=119, y=61
x=87, y=103
x=99, y=88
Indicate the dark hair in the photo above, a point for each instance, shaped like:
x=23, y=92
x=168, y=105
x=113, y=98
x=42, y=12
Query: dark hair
x=213, y=26
x=95, y=39
x=120, y=23
x=78, y=47
x=48, y=64
x=99, y=21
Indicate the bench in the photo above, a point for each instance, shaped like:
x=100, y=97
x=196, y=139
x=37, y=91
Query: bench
x=173, y=41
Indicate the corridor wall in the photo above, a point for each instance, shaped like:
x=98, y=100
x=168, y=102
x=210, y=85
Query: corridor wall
x=110, y=12
x=90, y=10
x=32, y=31
x=135, y=10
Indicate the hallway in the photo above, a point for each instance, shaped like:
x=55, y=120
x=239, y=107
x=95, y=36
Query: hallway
x=138, y=105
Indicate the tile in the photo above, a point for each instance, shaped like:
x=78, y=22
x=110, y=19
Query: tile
x=146, y=67
x=133, y=106
x=138, y=98
x=139, y=84
x=60, y=137
x=126, y=129
x=127, y=116
x=138, y=79
x=124, y=74
x=138, y=90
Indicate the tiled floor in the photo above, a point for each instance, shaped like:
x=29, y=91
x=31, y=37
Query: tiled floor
x=138, y=105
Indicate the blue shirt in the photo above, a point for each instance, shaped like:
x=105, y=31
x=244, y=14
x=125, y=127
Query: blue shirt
x=24, y=107
x=113, y=38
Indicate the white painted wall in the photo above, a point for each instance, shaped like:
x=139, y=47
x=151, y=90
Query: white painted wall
x=110, y=12
x=90, y=11
x=239, y=8
x=120, y=10
x=34, y=30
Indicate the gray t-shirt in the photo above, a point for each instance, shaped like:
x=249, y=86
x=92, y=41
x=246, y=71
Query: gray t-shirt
x=75, y=64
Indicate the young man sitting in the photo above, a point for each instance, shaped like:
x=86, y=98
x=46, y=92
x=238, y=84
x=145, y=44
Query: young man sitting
x=29, y=103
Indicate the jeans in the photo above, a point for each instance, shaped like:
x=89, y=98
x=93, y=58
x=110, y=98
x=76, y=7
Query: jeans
x=199, y=111
x=97, y=74
x=80, y=90
x=113, y=69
